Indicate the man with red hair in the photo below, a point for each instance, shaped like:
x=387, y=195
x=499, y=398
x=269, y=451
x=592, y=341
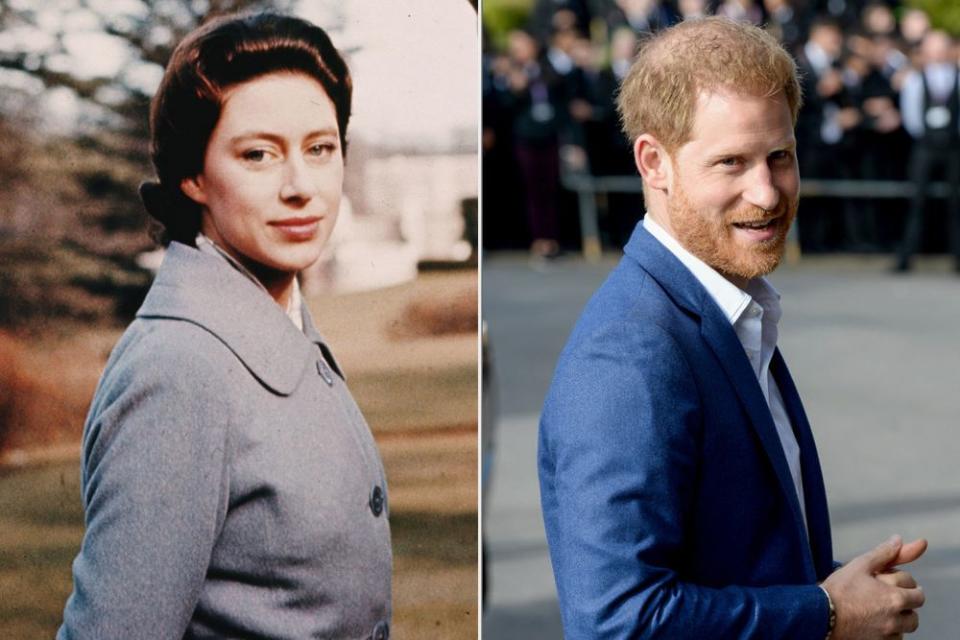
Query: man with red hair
x=680, y=484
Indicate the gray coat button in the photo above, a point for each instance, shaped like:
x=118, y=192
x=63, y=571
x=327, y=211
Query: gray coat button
x=381, y=631
x=376, y=501
x=324, y=370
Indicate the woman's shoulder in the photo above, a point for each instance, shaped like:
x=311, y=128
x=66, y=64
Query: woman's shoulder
x=165, y=394
x=169, y=357
x=169, y=343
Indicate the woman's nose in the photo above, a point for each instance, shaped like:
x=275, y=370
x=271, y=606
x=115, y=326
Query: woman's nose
x=298, y=183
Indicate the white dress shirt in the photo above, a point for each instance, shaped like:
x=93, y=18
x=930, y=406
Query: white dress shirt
x=754, y=314
x=940, y=79
x=819, y=59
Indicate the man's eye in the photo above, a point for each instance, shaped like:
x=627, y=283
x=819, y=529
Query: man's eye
x=730, y=162
x=779, y=155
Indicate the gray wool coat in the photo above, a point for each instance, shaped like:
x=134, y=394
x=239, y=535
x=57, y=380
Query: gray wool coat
x=230, y=485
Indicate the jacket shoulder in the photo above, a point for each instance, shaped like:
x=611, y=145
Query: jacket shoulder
x=631, y=310
x=155, y=477
x=156, y=346
x=632, y=346
x=164, y=362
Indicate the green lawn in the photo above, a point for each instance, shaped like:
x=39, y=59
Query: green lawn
x=41, y=525
x=440, y=397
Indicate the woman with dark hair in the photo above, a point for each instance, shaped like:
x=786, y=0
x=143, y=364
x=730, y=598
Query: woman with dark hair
x=230, y=484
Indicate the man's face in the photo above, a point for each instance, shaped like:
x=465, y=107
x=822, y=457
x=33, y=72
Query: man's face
x=735, y=184
x=523, y=48
x=937, y=48
x=829, y=38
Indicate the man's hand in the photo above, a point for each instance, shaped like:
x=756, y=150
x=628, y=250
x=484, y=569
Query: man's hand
x=872, y=599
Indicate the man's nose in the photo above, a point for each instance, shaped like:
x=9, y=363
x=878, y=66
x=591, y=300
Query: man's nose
x=761, y=191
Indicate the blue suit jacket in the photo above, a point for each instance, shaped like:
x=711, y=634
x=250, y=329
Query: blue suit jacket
x=669, y=507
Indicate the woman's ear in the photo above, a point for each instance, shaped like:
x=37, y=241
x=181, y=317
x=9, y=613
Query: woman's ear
x=653, y=162
x=193, y=188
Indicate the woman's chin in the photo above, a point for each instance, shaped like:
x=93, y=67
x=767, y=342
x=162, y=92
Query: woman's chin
x=286, y=260
x=297, y=265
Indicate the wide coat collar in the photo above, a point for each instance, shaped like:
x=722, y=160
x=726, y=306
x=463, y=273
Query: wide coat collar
x=207, y=291
x=715, y=329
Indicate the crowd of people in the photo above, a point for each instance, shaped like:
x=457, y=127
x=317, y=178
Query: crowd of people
x=549, y=110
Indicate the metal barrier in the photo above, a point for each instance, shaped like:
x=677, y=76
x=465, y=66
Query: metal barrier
x=587, y=187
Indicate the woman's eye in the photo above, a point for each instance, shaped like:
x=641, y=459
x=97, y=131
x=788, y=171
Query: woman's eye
x=255, y=155
x=322, y=149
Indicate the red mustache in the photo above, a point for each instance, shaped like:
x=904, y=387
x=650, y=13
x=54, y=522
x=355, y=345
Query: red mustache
x=755, y=215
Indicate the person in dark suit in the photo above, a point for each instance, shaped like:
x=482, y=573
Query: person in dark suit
x=825, y=129
x=930, y=104
x=537, y=100
x=550, y=16
x=231, y=486
x=640, y=16
x=680, y=484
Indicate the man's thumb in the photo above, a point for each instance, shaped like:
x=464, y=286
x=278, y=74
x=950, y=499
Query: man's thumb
x=883, y=554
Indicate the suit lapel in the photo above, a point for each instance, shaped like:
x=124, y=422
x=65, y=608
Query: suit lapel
x=815, y=496
x=718, y=333
x=687, y=292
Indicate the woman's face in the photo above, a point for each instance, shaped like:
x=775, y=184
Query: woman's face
x=272, y=174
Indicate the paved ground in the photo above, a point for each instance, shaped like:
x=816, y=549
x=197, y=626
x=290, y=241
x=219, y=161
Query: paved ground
x=876, y=359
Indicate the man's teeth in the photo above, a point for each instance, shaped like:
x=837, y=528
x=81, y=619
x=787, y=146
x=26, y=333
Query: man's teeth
x=754, y=225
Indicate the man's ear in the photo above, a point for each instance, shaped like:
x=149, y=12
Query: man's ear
x=653, y=162
x=193, y=188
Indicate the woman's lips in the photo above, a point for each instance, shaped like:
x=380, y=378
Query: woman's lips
x=297, y=228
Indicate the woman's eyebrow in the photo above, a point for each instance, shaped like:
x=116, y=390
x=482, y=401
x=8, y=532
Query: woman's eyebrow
x=326, y=131
x=276, y=137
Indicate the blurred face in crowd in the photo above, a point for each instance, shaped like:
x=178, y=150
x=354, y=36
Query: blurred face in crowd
x=938, y=48
x=879, y=19
x=564, y=20
x=859, y=45
x=583, y=54
x=734, y=186
x=564, y=40
x=273, y=173
x=637, y=7
x=522, y=47
x=829, y=38
x=858, y=65
x=914, y=25
x=772, y=6
x=692, y=8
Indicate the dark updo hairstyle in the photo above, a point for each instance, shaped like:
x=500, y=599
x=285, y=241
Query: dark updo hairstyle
x=223, y=53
